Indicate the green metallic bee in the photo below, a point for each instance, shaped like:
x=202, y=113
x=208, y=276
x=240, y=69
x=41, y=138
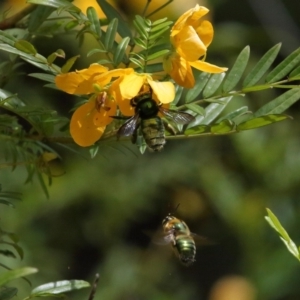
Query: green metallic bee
x=177, y=233
x=146, y=118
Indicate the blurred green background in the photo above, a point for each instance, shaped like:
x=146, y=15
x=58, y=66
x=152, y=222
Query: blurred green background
x=99, y=211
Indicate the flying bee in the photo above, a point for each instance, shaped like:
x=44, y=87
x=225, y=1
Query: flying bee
x=178, y=234
x=146, y=118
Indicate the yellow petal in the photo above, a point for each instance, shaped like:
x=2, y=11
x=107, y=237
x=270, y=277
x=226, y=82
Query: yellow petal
x=206, y=32
x=179, y=69
x=188, y=44
x=124, y=104
x=164, y=91
x=190, y=17
x=131, y=85
x=82, y=128
x=206, y=67
x=79, y=82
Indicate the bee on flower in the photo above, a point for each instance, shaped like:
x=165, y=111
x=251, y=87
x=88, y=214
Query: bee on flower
x=190, y=37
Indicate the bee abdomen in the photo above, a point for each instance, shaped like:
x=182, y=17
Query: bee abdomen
x=186, y=250
x=153, y=131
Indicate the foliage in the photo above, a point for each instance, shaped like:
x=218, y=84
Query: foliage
x=283, y=235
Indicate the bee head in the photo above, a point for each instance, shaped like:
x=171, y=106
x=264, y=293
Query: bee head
x=167, y=219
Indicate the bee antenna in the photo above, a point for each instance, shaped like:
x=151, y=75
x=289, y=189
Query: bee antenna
x=176, y=207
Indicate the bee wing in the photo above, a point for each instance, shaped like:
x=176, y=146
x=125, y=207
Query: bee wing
x=163, y=238
x=201, y=240
x=129, y=126
x=179, y=117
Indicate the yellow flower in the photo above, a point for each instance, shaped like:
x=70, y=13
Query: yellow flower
x=127, y=87
x=190, y=38
x=89, y=121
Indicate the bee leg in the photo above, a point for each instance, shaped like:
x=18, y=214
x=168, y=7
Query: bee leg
x=169, y=127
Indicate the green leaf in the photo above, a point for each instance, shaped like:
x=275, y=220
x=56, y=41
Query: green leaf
x=222, y=127
x=140, y=42
x=7, y=253
x=197, y=130
x=16, y=273
x=43, y=76
x=121, y=50
x=26, y=47
x=111, y=13
x=279, y=104
x=38, y=17
x=70, y=25
x=211, y=112
x=8, y=293
x=275, y=224
x=69, y=64
x=59, y=287
x=235, y=114
x=7, y=38
x=157, y=54
x=141, y=28
x=194, y=92
x=110, y=34
x=295, y=72
x=95, y=23
x=2, y=201
x=196, y=108
x=54, y=55
x=213, y=84
x=137, y=62
x=93, y=51
x=236, y=72
x=53, y=3
x=283, y=69
x=261, y=121
x=262, y=66
x=161, y=25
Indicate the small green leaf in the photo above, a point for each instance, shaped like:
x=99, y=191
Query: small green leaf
x=283, y=69
x=43, y=76
x=16, y=273
x=157, y=54
x=54, y=55
x=295, y=73
x=59, y=287
x=274, y=222
x=261, y=121
x=93, y=51
x=279, y=104
x=111, y=13
x=262, y=66
x=214, y=109
x=157, y=27
x=38, y=17
x=137, y=62
x=234, y=114
x=222, y=127
x=70, y=25
x=194, y=92
x=213, y=84
x=94, y=19
x=69, y=64
x=197, y=130
x=196, y=108
x=25, y=46
x=141, y=28
x=2, y=201
x=236, y=72
x=121, y=50
x=7, y=293
x=110, y=34
x=140, y=42
x=53, y=3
